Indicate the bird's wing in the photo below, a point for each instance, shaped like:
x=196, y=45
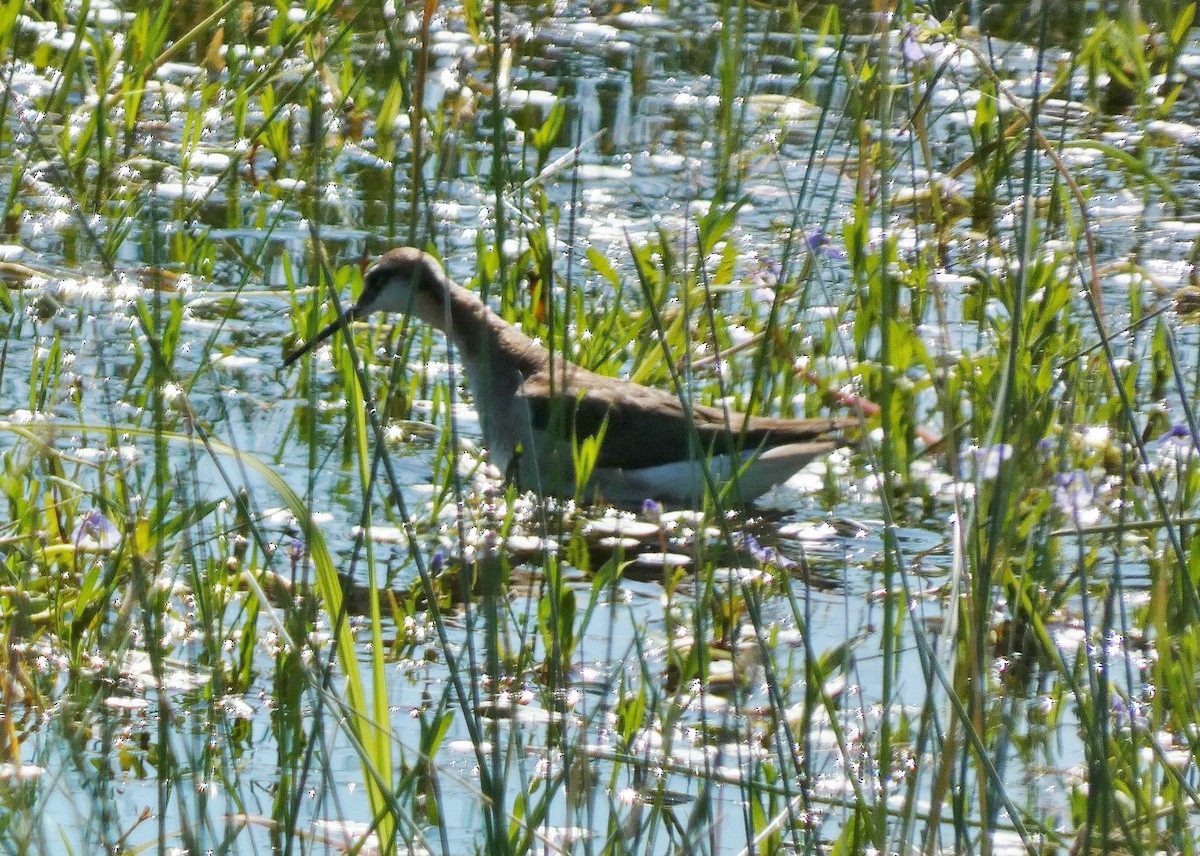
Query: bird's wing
x=644, y=427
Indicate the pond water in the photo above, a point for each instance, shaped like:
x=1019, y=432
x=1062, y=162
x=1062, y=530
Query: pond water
x=197, y=215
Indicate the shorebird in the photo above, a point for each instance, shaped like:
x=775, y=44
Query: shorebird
x=536, y=409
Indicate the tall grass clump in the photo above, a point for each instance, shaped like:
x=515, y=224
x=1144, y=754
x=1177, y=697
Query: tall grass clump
x=250, y=608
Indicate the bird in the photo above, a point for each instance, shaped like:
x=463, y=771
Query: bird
x=537, y=409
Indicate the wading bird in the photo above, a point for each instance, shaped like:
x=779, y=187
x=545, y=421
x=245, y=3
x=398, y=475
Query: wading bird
x=536, y=409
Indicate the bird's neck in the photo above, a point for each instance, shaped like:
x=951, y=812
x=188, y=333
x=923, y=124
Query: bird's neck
x=496, y=356
x=480, y=334
x=496, y=359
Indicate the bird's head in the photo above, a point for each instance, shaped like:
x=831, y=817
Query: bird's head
x=404, y=280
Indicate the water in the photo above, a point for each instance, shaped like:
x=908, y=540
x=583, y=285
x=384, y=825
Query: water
x=227, y=222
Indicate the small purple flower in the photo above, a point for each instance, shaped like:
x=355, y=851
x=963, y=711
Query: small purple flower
x=989, y=458
x=96, y=531
x=1129, y=713
x=765, y=556
x=652, y=510
x=1180, y=436
x=756, y=550
x=921, y=40
x=911, y=46
x=1073, y=492
x=436, y=563
x=296, y=551
x=819, y=242
x=767, y=274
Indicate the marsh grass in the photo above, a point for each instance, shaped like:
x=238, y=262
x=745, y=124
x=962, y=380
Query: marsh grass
x=197, y=658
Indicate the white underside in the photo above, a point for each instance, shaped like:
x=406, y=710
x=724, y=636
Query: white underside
x=683, y=482
x=550, y=471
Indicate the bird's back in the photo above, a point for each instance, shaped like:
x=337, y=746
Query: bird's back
x=644, y=427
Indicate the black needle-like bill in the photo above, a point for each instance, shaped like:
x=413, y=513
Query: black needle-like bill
x=325, y=333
